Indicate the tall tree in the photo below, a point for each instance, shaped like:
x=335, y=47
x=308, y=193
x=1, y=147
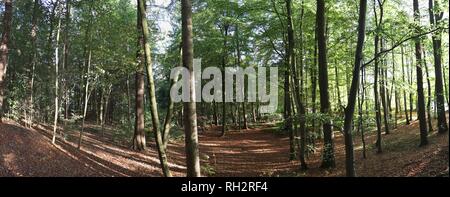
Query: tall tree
x=328, y=150
x=190, y=118
x=420, y=94
x=151, y=85
x=139, y=142
x=435, y=18
x=350, y=109
x=33, y=61
x=55, y=120
x=297, y=96
x=4, y=51
x=376, y=73
x=404, y=82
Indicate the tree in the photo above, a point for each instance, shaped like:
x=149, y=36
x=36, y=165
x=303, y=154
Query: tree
x=420, y=94
x=55, y=120
x=437, y=52
x=298, y=100
x=33, y=61
x=350, y=109
x=151, y=84
x=190, y=118
x=328, y=150
x=376, y=73
x=139, y=142
x=4, y=51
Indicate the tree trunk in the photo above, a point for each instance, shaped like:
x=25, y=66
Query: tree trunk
x=394, y=87
x=404, y=82
x=33, y=60
x=328, y=160
x=191, y=139
x=139, y=141
x=437, y=51
x=224, y=62
x=55, y=122
x=383, y=92
x=87, y=95
x=375, y=83
x=420, y=94
x=4, y=51
x=151, y=84
x=429, y=97
x=170, y=106
x=349, y=111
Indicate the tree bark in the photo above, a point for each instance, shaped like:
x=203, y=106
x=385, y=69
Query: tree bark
x=437, y=52
x=55, y=122
x=375, y=83
x=429, y=97
x=7, y=17
x=420, y=94
x=328, y=160
x=349, y=111
x=139, y=141
x=151, y=84
x=404, y=82
x=191, y=139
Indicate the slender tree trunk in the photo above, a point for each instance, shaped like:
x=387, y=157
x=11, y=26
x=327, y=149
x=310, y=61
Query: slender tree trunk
x=437, y=49
x=420, y=94
x=169, y=114
x=87, y=95
x=361, y=115
x=394, y=87
x=191, y=139
x=65, y=82
x=33, y=60
x=216, y=119
x=151, y=84
x=55, y=122
x=411, y=100
x=338, y=91
x=224, y=62
x=383, y=92
x=7, y=17
x=328, y=160
x=128, y=100
x=404, y=82
x=349, y=111
x=314, y=84
x=104, y=110
x=429, y=97
x=376, y=82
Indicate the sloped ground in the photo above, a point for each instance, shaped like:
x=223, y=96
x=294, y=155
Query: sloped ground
x=255, y=152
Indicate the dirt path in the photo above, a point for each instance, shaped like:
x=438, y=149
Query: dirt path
x=255, y=152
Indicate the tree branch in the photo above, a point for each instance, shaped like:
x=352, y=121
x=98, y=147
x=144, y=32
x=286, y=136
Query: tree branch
x=397, y=45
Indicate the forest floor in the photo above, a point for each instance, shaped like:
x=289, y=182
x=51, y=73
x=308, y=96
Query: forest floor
x=255, y=152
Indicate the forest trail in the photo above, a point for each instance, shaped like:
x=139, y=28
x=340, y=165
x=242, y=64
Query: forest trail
x=254, y=152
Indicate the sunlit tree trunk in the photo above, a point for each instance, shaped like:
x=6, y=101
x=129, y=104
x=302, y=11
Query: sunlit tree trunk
x=7, y=17
x=55, y=120
x=151, y=84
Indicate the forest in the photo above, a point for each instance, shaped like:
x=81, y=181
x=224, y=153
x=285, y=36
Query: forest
x=271, y=88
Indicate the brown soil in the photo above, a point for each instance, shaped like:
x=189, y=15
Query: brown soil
x=254, y=152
